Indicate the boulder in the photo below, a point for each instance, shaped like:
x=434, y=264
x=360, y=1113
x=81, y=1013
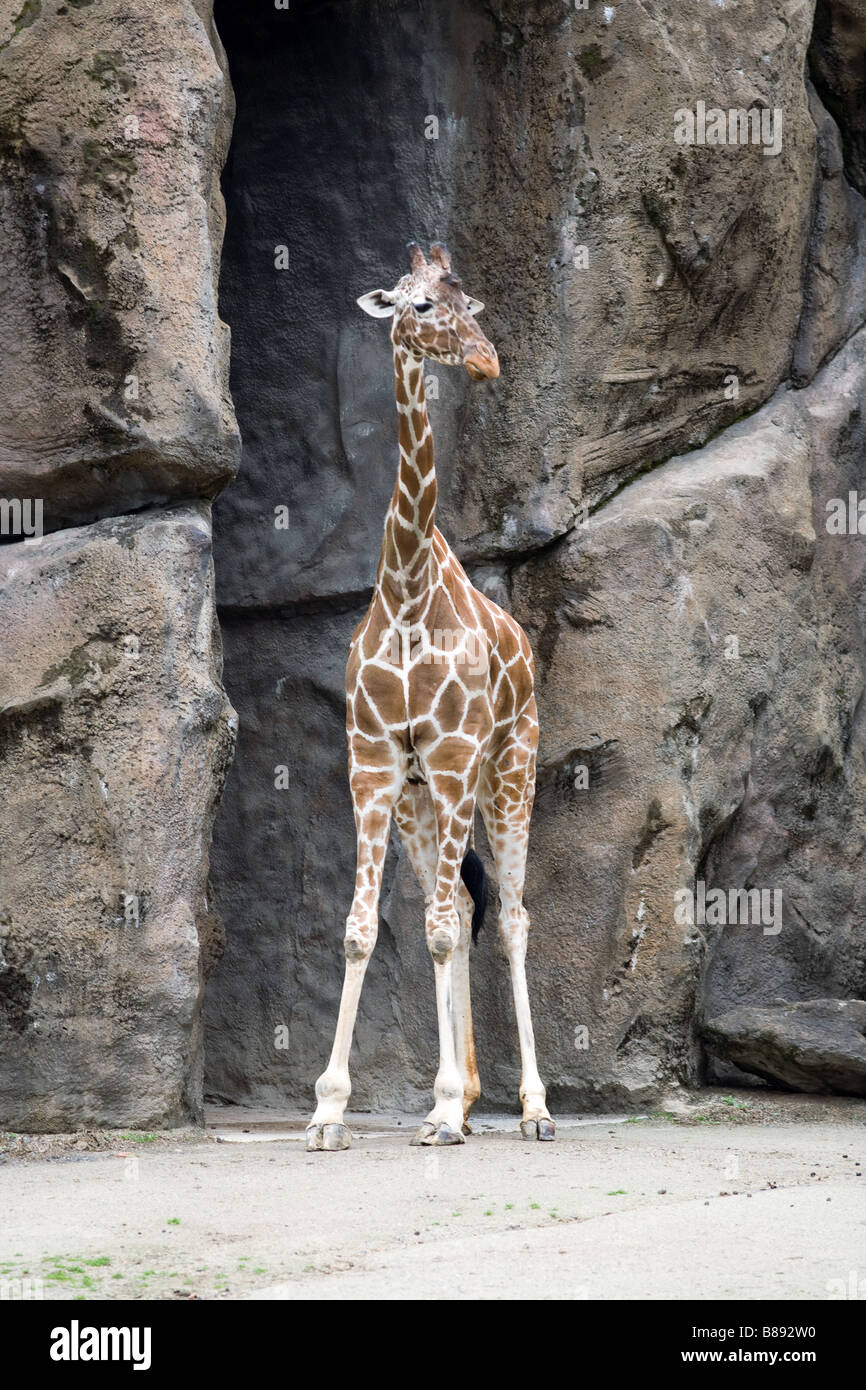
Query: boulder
x=115, y=733
x=816, y=1045
x=114, y=122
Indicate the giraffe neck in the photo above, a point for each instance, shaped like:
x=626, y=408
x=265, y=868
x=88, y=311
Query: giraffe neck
x=405, y=563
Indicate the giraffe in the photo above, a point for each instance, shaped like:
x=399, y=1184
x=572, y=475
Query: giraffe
x=440, y=718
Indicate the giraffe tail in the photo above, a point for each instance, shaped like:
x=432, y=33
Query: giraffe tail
x=474, y=876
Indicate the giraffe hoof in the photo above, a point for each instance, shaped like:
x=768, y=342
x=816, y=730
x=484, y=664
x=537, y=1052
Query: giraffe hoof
x=543, y=1129
x=329, y=1138
x=436, y=1134
x=423, y=1135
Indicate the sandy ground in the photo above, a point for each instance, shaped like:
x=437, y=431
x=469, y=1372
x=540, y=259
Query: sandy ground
x=720, y=1195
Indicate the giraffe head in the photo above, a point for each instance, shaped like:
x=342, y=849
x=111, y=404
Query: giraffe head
x=432, y=315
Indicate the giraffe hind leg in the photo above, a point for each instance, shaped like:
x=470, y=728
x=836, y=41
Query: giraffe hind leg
x=417, y=825
x=505, y=801
x=452, y=774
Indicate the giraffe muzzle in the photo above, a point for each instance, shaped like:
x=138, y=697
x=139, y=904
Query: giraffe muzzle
x=480, y=361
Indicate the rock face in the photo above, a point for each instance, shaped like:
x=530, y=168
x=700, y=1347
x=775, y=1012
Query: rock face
x=550, y=134
x=659, y=487
x=698, y=630
x=114, y=123
x=114, y=738
x=115, y=731
x=701, y=657
x=819, y=1045
x=836, y=60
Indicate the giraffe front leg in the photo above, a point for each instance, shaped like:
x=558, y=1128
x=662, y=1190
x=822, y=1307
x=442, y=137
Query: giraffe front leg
x=373, y=794
x=326, y=1130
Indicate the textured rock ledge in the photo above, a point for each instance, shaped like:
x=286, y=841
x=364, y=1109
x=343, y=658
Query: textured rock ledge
x=114, y=122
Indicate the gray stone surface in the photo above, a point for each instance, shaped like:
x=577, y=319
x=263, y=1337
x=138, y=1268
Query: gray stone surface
x=738, y=771
x=818, y=1045
x=836, y=62
x=114, y=121
x=115, y=731
x=115, y=734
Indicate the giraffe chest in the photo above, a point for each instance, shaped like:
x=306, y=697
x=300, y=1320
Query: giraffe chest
x=416, y=677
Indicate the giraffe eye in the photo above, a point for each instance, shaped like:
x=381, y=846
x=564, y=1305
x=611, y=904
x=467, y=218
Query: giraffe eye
x=423, y=306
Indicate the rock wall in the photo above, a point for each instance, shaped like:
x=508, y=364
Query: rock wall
x=114, y=735
x=116, y=427
x=113, y=129
x=645, y=487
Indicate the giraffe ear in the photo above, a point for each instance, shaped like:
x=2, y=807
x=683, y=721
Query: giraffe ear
x=379, y=304
x=475, y=307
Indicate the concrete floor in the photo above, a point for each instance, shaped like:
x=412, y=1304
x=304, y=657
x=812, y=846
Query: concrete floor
x=720, y=1198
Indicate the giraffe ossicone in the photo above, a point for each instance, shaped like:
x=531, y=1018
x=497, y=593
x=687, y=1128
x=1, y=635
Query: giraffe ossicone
x=441, y=720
